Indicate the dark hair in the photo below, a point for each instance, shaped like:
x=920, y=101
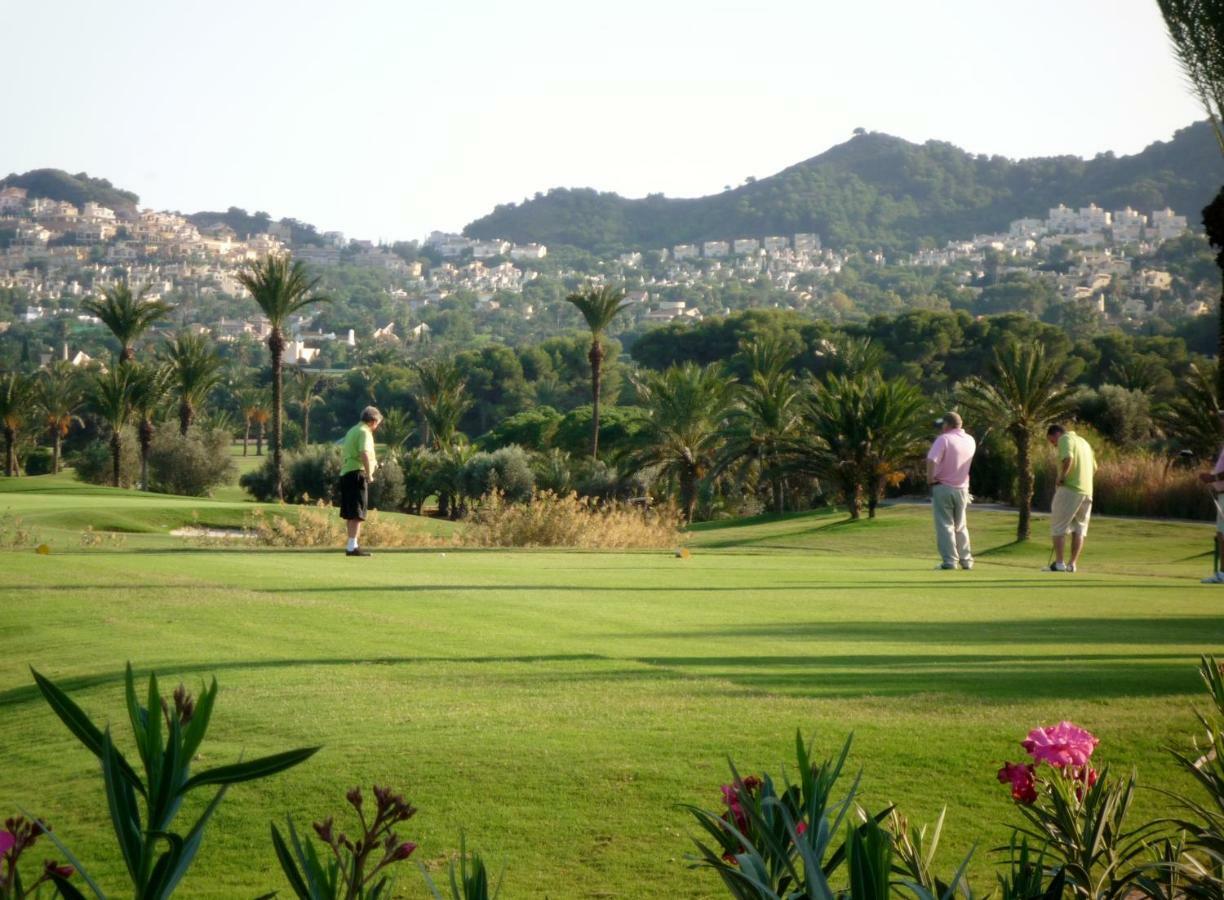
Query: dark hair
x=1055, y=429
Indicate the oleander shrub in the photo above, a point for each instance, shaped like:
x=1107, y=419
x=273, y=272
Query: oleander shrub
x=38, y=461
x=191, y=465
x=311, y=474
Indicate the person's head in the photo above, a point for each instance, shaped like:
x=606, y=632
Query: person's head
x=1054, y=432
x=950, y=421
x=371, y=417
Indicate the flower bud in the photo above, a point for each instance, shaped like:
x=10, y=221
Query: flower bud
x=354, y=797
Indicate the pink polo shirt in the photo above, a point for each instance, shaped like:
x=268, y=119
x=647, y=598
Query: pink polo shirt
x=952, y=452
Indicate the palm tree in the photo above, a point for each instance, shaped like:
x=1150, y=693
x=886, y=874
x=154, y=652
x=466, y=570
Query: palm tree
x=599, y=307
x=195, y=369
x=280, y=286
x=16, y=395
x=261, y=414
x=396, y=430
x=127, y=315
x=897, y=424
x=686, y=409
x=1192, y=418
x=1196, y=28
x=150, y=388
x=1024, y=393
x=442, y=400
x=834, y=440
x=249, y=401
x=59, y=396
x=306, y=390
x=765, y=417
x=111, y=398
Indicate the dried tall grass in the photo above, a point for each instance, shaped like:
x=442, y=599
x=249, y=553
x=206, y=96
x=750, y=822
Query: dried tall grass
x=1139, y=484
x=565, y=520
x=320, y=527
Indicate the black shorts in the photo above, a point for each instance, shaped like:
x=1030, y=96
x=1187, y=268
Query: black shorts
x=354, y=495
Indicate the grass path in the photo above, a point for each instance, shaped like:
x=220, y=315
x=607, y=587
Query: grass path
x=558, y=705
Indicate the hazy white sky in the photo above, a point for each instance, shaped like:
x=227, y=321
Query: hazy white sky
x=389, y=118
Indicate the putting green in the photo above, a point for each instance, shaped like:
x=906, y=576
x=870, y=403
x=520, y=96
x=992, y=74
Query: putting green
x=558, y=705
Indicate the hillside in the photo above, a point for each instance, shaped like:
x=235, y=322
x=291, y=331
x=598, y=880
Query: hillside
x=875, y=190
x=56, y=184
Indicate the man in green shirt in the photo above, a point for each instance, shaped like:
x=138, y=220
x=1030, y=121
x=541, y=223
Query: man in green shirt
x=1072, y=506
x=357, y=468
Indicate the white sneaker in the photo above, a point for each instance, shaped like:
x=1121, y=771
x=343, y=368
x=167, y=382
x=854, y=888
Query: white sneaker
x=966, y=564
x=1070, y=567
x=1055, y=567
x=944, y=567
x=1217, y=578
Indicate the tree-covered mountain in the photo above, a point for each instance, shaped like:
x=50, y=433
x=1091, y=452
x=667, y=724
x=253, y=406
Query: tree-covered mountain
x=876, y=190
x=56, y=184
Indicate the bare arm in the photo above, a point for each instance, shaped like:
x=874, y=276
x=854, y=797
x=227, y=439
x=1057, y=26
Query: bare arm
x=1063, y=468
x=367, y=465
x=930, y=471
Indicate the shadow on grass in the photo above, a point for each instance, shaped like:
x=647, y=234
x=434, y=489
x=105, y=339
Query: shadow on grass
x=1206, y=632
x=971, y=677
x=28, y=693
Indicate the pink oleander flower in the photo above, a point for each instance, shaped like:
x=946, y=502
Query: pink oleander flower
x=6, y=842
x=1064, y=744
x=1020, y=777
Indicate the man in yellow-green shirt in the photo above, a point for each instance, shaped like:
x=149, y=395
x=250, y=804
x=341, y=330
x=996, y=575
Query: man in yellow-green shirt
x=1072, y=505
x=357, y=468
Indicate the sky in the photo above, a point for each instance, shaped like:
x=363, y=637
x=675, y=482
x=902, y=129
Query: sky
x=387, y=119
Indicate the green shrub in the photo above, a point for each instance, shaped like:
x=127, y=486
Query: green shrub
x=420, y=470
x=507, y=470
x=532, y=429
x=1121, y=416
x=93, y=463
x=310, y=474
x=38, y=461
x=191, y=465
x=387, y=491
x=617, y=426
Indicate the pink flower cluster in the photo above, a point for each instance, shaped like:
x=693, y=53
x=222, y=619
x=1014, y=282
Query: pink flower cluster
x=1065, y=747
x=734, y=796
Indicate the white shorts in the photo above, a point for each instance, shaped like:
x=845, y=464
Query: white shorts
x=1070, y=511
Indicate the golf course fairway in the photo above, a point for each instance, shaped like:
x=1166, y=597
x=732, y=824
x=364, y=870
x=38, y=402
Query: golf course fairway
x=557, y=707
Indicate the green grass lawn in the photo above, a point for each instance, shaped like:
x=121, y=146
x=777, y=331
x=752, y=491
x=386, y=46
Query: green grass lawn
x=559, y=705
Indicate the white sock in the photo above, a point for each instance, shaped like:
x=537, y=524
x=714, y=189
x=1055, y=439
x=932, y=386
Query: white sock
x=352, y=544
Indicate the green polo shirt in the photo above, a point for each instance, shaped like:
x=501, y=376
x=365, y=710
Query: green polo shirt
x=1083, y=463
x=359, y=439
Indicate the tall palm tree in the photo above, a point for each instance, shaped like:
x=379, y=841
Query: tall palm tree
x=59, y=397
x=1196, y=29
x=306, y=390
x=150, y=389
x=599, y=306
x=281, y=287
x=195, y=369
x=127, y=315
x=765, y=417
x=261, y=414
x=111, y=398
x=686, y=408
x=1023, y=394
x=16, y=394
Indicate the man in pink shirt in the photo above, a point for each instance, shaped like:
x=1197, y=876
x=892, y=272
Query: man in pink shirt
x=948, y=475
x=1215, y=482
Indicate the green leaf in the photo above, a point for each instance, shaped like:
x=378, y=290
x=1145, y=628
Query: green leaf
x=191, y=844
x=78, y=723
x=124, y=815
x=249, y=771
x=288, y=866
x=193, y=735
x=136, y=716
x=66, y=888
x=159, y=887
x=68, y=854
x=153, y=720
